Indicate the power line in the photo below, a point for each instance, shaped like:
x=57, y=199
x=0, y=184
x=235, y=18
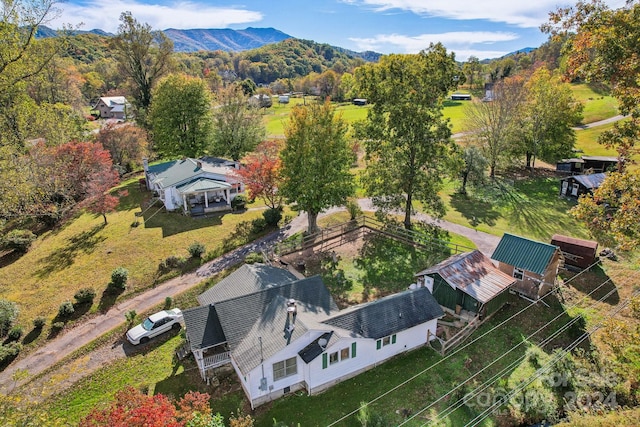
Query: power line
x=391, y=390
x=542, y=370
x=490, y=381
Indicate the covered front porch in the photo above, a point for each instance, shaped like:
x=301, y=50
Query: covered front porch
x=211, y=358
x=205, y=195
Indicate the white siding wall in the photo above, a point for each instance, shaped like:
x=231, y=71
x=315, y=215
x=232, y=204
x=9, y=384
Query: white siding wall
x=316, y=378
x=275, y=388
x=367, y=356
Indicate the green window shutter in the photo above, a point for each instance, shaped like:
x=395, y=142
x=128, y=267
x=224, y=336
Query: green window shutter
x=324, y=361
x=378, y=344
x=353, y=350
x=393, y=339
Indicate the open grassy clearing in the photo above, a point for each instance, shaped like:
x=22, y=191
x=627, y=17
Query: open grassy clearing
x=529, y=207
x=598, y=105
x=83, y=253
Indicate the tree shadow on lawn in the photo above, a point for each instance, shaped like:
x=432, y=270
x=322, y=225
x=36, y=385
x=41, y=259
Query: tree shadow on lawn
x=389, y=265
x=474, y=210
x=533, y=206
x=108, y=298
x=595, y=280
x=63, y=258
x=174, y=223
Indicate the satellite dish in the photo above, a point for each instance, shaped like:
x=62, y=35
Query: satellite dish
x=322, y=342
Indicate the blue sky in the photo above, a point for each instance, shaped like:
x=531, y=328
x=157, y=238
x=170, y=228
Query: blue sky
x=485, y=29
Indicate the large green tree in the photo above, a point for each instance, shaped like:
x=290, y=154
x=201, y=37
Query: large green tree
x=545, y=124
x=180, y=116
x=238, y=127
x=316, y=160
x=144, y=57
x=407, y=138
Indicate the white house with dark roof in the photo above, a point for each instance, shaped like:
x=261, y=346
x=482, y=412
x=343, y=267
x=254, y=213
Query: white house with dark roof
x=283, y=334
x=113, y=107
x=197, y=186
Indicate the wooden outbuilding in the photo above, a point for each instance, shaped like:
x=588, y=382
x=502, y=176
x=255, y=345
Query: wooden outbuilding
x=577, y=185
x=577, y=252
x=467, y=281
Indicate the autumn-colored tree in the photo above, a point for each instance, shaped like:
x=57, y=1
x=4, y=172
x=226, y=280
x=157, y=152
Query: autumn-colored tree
x=612, y=214
x=126, y=142
x=98, y=199
x=261, y=172
x=131, y=408
x=144, y=57
x=601, y=46
x=316, y=160
x=491, y=125
x=70, y=174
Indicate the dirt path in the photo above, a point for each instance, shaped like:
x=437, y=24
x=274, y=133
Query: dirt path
x=81, y=335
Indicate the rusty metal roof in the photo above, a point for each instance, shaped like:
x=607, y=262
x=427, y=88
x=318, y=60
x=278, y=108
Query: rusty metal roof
x=474, y=274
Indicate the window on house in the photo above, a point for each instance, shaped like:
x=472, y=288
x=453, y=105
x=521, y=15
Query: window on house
x=344, y=353
x=285, y=368
x=518, y=273
x=391, y=339
x=333, y=358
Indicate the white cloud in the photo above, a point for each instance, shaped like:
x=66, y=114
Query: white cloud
x=181, y=15
x=526, y=14
x=463, y=43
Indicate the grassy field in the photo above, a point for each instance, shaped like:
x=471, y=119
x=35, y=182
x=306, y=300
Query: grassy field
x=83, y=253
x=597, y=105
x=529, y=207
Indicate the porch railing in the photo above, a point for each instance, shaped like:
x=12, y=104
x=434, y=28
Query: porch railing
x=216, y=360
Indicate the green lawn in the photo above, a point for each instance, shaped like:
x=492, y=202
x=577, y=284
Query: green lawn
x=83, y=253
x=587, y=141
x=530, y=208
x=597, y=105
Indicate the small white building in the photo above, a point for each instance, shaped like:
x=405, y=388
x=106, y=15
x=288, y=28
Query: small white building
x=113, y=107
x=283, y=334
x=197, y=186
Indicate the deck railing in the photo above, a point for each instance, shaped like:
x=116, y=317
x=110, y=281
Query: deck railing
x=364, y=222
x=216, y=360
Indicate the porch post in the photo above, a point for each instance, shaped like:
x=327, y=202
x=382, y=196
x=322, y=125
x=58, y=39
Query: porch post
x=226, y=196
x=184, y=202
x=206, y=200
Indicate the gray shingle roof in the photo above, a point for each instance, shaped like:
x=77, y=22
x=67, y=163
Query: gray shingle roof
x=262, y=316
x=388, y=315
x=245, y=280
x=472, y=273
x=203, y=327
x=524, y=253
